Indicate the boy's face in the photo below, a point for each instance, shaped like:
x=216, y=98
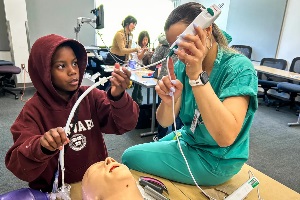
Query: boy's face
x=64, y=71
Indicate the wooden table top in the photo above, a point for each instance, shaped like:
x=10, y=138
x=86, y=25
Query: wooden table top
x=278, y=72
x=268, y=187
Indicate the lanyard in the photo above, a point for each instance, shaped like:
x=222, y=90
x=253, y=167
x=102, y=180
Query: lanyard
x=197, y=119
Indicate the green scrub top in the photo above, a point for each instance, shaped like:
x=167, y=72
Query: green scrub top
x=232, y=75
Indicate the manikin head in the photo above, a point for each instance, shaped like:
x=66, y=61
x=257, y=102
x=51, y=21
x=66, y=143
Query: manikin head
x=109, y=180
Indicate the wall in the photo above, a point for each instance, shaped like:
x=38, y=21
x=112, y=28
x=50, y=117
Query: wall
x=16, y=16
x=289, y=44
x=288, y=41
x=258, y=24
x=150, y=17
x=60, y=17
x=4, y=42
x=5, y=55
x=221, y=21
x=43, y=17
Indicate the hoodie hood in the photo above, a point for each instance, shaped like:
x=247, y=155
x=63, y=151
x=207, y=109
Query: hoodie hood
x=39, y=66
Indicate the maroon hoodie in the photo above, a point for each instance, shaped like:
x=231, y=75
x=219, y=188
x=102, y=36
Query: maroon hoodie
x=97, y=114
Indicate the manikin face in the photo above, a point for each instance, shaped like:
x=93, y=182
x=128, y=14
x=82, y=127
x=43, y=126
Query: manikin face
x=109, y=180
x=64, y=71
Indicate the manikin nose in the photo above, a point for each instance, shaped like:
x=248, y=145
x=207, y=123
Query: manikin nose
x=109, y=160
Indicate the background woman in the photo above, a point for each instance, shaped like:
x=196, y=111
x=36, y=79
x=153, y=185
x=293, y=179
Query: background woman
x=142, y=57
x=120, y=49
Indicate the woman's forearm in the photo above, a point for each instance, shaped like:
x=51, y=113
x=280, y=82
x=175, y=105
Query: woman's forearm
x=128, y=50
x=221, y=119
x=164, y=113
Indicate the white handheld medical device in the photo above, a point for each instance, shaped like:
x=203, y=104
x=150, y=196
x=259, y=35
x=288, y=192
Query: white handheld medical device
x=203, y=20
x=244, y=190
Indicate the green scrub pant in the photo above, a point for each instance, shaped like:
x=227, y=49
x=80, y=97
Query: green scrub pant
x=163, y=159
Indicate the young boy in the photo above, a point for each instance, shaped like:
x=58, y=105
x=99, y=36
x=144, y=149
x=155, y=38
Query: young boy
x=56, y=66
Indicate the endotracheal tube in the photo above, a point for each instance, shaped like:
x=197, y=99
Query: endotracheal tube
x=63, y=191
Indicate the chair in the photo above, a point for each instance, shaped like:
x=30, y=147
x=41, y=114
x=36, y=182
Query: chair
x=244, y=49
x=266, y=81
x=25, y=194
x=7, y=70
x=292, y=88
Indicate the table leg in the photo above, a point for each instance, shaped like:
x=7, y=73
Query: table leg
x=148, y=95
x=295, y=123
x=152, y=132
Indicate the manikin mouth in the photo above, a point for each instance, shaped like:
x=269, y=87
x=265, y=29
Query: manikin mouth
x=111, y=169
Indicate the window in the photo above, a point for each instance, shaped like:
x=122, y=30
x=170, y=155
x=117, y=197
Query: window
x=150, y=15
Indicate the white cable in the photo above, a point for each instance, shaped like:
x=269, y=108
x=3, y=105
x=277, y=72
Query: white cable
x=152, y=64
x=179, y=145
x=61, y=153
x=116, y=59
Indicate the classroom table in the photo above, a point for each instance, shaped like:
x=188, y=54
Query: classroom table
x=149, y=83
x=278, y=72
x=293, y=76
x=268, y=188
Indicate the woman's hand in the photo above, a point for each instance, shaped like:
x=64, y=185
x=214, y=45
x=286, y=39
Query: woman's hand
x=144, y=49
x=120, y=80
x=192, y=51
x=54, y=139
x=137, y=49
x=167, y=88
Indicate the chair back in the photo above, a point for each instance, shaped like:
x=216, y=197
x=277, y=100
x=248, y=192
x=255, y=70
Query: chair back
x=295, y=67
x=274, y=63
x=5, y=62
x=243, y=49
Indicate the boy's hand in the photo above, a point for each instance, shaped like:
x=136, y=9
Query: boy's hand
x=120, y=80
x=54, y=139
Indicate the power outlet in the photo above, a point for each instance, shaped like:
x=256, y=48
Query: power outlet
x=23, y=66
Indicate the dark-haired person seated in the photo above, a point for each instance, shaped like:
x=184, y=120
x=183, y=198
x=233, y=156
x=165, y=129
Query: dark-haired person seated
x=214, y=89
x=121, y=45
